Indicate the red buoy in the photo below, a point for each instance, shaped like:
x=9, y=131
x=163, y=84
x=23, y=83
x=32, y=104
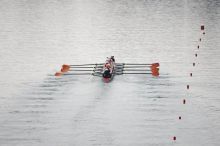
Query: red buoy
x=202, y=27
x=174, y=138
x=184, y=101
x=187, y=86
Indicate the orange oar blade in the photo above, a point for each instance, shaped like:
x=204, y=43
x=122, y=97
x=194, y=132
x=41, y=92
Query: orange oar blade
x=155, y=74
x=155, y=65
x=155, y=71
x=65, y=68
x=58, y=74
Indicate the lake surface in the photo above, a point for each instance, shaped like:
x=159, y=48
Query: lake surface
x=37, y=37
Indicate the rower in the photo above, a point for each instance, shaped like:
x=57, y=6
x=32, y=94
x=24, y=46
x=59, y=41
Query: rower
x=106, y=74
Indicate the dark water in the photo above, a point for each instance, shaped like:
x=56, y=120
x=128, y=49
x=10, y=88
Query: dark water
x=37, y=108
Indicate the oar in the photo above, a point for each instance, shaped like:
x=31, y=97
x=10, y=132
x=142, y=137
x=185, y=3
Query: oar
x=95, y=74
x=73, y=65
x=61, y=73
x=154, y=68
x=81, y=70
x=58, y=74
x=133, y=66
x=66, y=68
x=133, y=73
x=87, y=67
x=137, y=64
x=70, y=74
x=155, y=71
x=73, y=70
x=154, y=74
x=134, y=70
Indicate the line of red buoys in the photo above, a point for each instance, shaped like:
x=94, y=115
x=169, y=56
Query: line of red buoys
x=196, y=55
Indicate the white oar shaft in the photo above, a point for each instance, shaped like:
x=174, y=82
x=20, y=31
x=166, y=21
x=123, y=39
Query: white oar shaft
x=80, y=70
x=87, y=67
x=133, y=64
x=135, y=67
x=133, y=70
x=95, y=74
x=85, y=64
x=70, y=74
x=132, y=73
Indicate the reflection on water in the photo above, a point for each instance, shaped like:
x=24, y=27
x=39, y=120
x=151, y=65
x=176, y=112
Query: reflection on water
x=40, y=109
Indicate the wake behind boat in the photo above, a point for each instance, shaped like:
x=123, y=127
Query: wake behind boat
x=109, y=69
